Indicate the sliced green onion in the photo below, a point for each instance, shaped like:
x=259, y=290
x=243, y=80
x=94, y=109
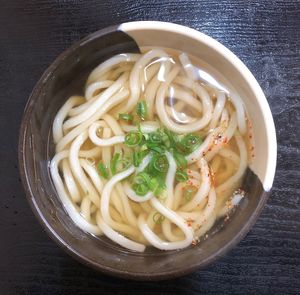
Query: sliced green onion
x=142, y=177
x=140, y=189
x=114, y=162
x=117, y=164
x=155, y=137
x=156, y=148
x=133, y=138
x=158, y=218
x=181, y=176
x=160, y=192
x=166, y=140
x=103, y=171
x=125, y=163
x=189, y=143
x=161, y=163
x=173, y=137
x=142, y=110
x=137, y=157
x=153, y=184
x=126, y=117
x=191, y=140
x=189, y=192
x=158, y=164
x=181, y=161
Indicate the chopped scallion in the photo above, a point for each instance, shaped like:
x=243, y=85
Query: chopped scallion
x=140, y=189
x=158, y=218
x=142, y=110
x=114, y=162
x=181, y=176
x=142, y=177
x=126, y=117
x=103, y=171
x=181, y=161
x=133, y=138
x=158, y=164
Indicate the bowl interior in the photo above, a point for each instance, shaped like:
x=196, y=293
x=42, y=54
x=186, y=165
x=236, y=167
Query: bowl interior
x=65, y=77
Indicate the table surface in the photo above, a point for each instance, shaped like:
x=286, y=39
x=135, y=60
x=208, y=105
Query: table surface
x=264, y=34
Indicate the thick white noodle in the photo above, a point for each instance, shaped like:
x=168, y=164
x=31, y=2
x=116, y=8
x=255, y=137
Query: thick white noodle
x=209, y=209
x=188, y=67
x=134, y=79
x=182, y=95
x=241, y=118
x=154, y=240
x=116, y=99
x=242, y=167
x=70, y=182
x=97, y=104
x=108, y=64
x=204, y=187
x=221, y=99
x=65, y=199
x=118, y=238
x=144, y=163
x=94, y=128
x=94, y=87
x=226, y=136
x=170, y=179
x=180, y=128
x=152, y=87
x=134, y=197
x=61, y=116
x=105, y=199
x=78, y=172
x=146, y=127
x=93, y=174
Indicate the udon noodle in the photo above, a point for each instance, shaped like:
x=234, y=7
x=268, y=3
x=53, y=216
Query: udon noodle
x=152, y=154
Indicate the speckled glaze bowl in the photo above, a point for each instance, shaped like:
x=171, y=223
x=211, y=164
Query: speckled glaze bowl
x=67, y=76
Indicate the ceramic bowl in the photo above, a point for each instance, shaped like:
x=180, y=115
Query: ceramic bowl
x=66, y=76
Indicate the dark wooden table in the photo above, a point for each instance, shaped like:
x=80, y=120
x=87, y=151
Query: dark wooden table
x=264, y=34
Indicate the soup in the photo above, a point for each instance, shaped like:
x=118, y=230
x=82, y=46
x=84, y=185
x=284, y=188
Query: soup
x=153, y=153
